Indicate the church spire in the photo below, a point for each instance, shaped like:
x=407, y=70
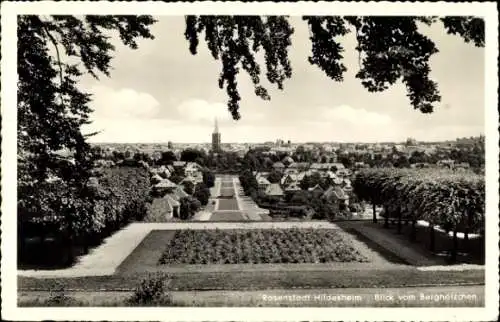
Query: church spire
x=216, y=128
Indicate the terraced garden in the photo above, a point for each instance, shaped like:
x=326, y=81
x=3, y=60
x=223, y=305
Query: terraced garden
x=259, y=247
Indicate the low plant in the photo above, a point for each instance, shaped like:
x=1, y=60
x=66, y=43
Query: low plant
x=153, y=291
x=58, y=297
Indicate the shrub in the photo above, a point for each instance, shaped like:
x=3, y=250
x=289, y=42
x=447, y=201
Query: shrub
x=208, y=178
x=202, y=193
x=153, y=291
x=58, y=297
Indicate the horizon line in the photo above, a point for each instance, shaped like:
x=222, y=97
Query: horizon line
x=292, y=142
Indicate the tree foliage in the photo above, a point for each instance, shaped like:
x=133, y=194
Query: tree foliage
x=390, y=49
x=441, y=197
x=202, y=193
x=53, y=52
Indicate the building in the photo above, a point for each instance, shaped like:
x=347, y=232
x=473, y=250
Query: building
x=216, y=147
x=274, y=190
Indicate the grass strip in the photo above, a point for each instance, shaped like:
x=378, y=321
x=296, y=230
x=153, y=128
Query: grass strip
x=407, y=277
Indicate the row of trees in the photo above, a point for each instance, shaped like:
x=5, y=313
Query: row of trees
x=451, y=200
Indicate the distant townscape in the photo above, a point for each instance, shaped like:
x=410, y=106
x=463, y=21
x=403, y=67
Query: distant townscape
x=459, y=153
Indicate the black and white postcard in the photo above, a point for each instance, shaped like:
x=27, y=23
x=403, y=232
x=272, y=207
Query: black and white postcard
x=214, y=161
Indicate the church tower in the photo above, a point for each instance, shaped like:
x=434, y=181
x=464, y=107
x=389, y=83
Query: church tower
x=216, y=138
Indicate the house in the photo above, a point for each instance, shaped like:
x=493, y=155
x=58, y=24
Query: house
x=316, y=189
x=336, y=166
x=103, y=163
x=263, y=183
x=360, y=165
x=293, y=187
x=300, y=166
x=336, y=193
x=317, y=166
x=290, y=171
x=156, y=178
x=191, y=169
x=330, y=174
x=288, y=179
x=167, y=206
x=178, y=193
x=344, y=172
x=172, y=206
x=337, y=181
x=179, y=164
x=327, y=166
x=287, y=160
x=261, y=174
x=446, y=163
x=164, y=185
x=163, y=172
x=301, y=175
x=279, y=166
x=274, y=190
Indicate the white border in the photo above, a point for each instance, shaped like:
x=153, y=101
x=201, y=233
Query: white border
x=9, y=162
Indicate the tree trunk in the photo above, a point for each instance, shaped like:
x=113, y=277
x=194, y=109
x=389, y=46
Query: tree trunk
x=70, y=253
x=399, y=222
x=413, y=235
x=455, y=246
x=386, y=221
x=374, y=213
x=466, y=233
x=433, y=238
x=87, y=238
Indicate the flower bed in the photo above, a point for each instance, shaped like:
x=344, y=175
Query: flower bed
x=261, y=246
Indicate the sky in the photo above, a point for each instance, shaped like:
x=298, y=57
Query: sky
x=160, y=93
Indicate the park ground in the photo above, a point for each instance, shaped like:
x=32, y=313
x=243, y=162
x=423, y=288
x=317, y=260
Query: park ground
x=110, y=272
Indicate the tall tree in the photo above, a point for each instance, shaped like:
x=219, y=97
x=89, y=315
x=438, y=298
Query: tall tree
x=389, y=48
x=168, y=157
x=51, y=109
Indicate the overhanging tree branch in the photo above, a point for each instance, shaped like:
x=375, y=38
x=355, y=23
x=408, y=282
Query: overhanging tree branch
x=59, y=63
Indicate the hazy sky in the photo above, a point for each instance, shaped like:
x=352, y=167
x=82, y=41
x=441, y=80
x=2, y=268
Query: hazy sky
x=161, y=93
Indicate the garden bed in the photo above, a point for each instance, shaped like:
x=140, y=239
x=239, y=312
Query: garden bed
x=259, y=246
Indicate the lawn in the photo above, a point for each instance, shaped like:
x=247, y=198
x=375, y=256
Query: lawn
x=227, y=216
x=259, y=280
x=259, y=246
x=227, y=204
